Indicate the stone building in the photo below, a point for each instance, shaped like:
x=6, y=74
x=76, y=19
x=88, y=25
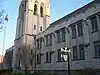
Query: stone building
x=8, y=58
x=79, y=31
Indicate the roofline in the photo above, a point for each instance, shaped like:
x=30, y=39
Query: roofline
x=82, y=9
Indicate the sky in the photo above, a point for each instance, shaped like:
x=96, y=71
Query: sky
x=58, y=9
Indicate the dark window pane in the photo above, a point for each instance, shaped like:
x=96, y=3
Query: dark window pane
x=58, y=36
x=40, y=42
x=41, y=11
x=97, y=48
x=94, y=24
x=81, y=50
x=73, y=27
x=50, y=39
x=80, y=29
x=34, y=27
x=38, y=59
x=40, y=28
x=75, y=54
x=63, y=32
x=46, y=37
x=35, y=9
x=37, y=43
x=48, y=57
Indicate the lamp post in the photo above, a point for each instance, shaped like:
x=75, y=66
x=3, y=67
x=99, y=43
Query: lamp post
x=65, y=53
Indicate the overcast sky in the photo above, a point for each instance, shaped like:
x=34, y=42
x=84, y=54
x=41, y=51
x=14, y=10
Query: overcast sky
x=59, y=8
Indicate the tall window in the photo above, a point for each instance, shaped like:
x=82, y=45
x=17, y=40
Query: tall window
x=38, y=59
x=73, y=27
x=81, y=51
x=99, y=19
x=35, y=9
x=50, y=39
x=40, y=28
x=75, y=54
x=40, y=43
x=25, y=5
x=37, y=43
x=80, y=28
x=46, y=37
x=34, y=27
x=94, y=24
x=63, y=32
x=60, y=59
x=58, y=36
x=41, y=11
x=48, y=57
x=97, y=48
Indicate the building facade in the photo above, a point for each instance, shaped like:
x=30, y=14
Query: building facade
x=79, y=31
x=8, y=58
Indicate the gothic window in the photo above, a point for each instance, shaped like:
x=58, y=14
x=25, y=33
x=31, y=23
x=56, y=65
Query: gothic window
x=40, y=43
x=48, y=57
x=73, y=27
x=25, y=5
x=97, y=48
x=46, y=37
x=37, y=43
x=99, y=19
x=81, y=51
x=38, y=59
x=75, y=53
x=80, y=28
x=63, y=32
x=94, y=24
x=50, y=39
x=41, y=11
x=34, y=27
x=35, y=9
x=40, y=28
x=58, y=36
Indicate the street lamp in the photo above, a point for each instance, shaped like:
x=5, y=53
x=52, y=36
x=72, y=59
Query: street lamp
x=65, y=53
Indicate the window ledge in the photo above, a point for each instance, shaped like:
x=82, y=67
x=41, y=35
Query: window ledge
x=60, y=61
x=78, y=59
x=80, y=35
x=47, y=62
x=94, y=31
x=74, y=38
x=96, y=57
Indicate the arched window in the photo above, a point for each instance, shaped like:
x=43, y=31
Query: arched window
x=35, y=9
x=41, y=11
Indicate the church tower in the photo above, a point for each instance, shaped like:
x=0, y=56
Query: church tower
x=33, y=18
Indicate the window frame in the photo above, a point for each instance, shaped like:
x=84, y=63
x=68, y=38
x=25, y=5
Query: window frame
x=94, y=26
x=38, y=59
x=34, y=27
x=75, y=53
x=48, y=57
x=63, y=34
x=80, y=28
x=97, y=53
x=81, y=51
x=41, y=28
x=41, y=11
x=73, y=28
x=35, y=9
x=58, y=36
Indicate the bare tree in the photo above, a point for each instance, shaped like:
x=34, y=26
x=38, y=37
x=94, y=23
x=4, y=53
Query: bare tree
x=25, y=56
